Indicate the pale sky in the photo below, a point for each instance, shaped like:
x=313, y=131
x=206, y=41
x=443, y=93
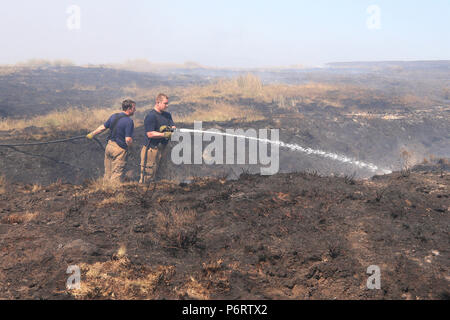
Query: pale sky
x=219, y=33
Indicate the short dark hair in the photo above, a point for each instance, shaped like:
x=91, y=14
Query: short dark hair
x=128, y=104
x=160, y=97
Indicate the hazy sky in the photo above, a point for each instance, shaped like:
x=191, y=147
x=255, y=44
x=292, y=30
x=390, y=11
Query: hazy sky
x=245, y=33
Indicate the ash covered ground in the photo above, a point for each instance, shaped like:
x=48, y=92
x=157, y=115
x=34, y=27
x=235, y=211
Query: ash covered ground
x=286, y=236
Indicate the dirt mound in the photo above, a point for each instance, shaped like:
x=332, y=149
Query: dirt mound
x=287, y=236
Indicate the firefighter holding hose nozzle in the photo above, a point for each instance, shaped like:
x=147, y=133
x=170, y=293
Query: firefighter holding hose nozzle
x=158, y=126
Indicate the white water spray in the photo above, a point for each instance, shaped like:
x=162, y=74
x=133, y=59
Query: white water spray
x=296, y=147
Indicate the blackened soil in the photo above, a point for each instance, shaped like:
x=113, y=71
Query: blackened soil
x=287, y=236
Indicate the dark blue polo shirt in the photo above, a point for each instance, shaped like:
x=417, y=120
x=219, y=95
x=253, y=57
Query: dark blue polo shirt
x=153, y=121
x=124, y=128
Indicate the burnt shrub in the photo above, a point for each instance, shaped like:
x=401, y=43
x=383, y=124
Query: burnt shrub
x=176, y=228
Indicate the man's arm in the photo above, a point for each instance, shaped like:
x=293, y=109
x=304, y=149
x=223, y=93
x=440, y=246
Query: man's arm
x=96, y=131
x=155, y=135
x=129, y=133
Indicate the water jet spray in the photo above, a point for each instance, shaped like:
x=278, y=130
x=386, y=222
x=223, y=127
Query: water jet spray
x=295, y=147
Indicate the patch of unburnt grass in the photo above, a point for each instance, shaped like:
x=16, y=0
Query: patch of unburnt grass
x=102, y=185
x=19, y=218
x=2, y=185
x=121, y=279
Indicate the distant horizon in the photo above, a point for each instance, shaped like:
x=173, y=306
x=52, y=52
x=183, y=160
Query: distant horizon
x=194, y=64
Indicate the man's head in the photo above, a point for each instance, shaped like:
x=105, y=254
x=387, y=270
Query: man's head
x=129, y=107
x=162, y=102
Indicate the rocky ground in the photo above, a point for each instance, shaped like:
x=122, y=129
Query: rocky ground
x=286, y=236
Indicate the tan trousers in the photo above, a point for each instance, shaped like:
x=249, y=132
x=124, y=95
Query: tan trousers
x=115, y=161
x=150, y=164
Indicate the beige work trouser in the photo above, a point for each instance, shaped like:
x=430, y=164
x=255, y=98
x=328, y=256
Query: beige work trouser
x=150, y=164
x=115, y=161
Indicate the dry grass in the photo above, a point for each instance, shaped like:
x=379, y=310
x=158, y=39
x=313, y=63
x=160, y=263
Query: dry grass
x=212, y=267
x=176, y=228
x=117, y=199
x=406, y=156
x=214, y=276
x=33, y=188
x=283, y=95
x=121, y=253
x=120, y=279
x=36, y=188
x=19, y=218
x=194, y=289
x=221, y=112
x=73, y=118
x=3, y=184
x=222, y=100
x=237, y=98
x=101, y=185
x=248, y=86
x=60, y=120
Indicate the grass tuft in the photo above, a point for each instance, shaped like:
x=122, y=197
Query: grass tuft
x=3, y=184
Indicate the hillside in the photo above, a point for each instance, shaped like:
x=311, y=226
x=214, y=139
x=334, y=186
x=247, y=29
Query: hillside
x=287, y=236
x=26, y=91
x=35, y=90
x=222, y=231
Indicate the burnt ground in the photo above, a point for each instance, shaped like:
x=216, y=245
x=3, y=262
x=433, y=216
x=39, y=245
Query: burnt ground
x=286, y=236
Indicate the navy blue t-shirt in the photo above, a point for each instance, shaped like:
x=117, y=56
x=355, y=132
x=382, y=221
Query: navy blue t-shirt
x=124, y=128
x=153, y=121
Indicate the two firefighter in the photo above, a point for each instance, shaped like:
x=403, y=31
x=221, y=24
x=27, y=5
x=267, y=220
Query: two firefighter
x=158, y=126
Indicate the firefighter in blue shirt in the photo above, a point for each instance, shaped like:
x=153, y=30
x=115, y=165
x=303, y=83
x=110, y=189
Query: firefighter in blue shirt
x=120, y=138
x=158, y=130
